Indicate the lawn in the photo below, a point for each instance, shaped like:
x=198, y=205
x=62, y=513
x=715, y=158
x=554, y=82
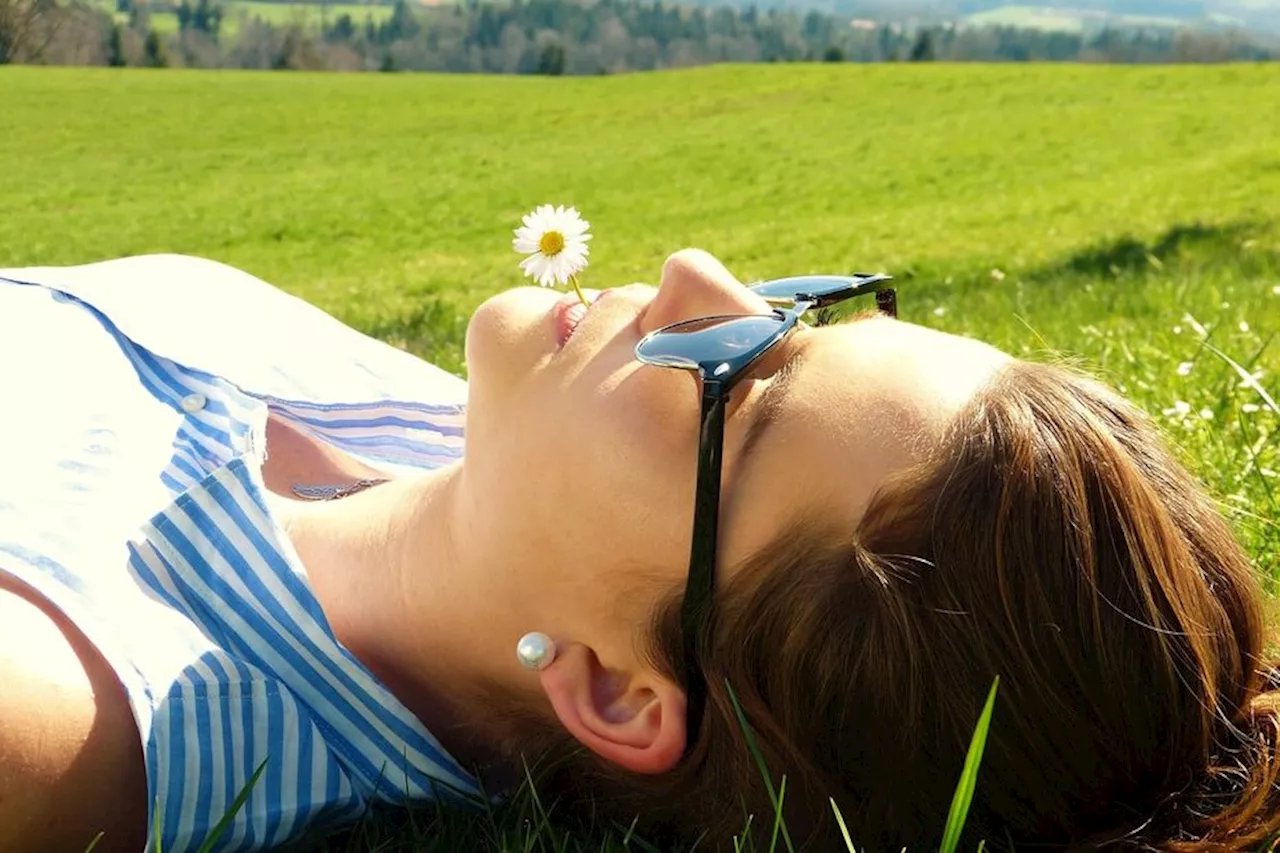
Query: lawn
x=312, y=17
x=1127, y=217
x=309, y=16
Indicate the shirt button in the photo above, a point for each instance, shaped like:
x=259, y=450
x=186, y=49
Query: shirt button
x=193, y=403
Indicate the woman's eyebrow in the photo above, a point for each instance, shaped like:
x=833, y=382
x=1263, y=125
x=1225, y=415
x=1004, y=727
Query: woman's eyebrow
x=765, y=412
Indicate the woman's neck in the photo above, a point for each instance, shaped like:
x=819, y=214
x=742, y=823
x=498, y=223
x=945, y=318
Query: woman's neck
x=399, y=596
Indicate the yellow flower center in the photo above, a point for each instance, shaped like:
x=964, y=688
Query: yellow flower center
x=551, y=244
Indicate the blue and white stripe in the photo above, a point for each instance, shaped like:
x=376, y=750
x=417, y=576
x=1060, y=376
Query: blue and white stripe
x=405, y=435
x=176, y=569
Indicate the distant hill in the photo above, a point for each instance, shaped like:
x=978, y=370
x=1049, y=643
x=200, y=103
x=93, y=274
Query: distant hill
x=1259, y=16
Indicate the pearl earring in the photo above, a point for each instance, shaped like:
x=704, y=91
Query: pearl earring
x=535, y=650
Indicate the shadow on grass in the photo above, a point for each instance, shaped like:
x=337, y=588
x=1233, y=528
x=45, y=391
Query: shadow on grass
x=1249, y=248
x=1235, y=245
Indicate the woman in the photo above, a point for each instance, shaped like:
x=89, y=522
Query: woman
x=240, y=537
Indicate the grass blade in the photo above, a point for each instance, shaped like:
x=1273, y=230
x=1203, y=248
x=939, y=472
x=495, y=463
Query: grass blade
x=543, y=823
x=1247, y=379
x=844, y=830
x=777, y=815
x=236, y=804
x=963, y=796
x=764, y=770
x=155, y=825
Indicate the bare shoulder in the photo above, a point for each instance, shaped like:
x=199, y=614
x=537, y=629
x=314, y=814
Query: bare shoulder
x=70, y=758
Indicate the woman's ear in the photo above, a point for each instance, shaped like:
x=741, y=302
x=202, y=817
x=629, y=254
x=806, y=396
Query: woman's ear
x=635, y=720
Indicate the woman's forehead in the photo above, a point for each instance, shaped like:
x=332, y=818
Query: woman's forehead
x=862, y=367
x=870, y=399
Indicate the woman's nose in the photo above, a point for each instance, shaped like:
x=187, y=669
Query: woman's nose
x=695, y=284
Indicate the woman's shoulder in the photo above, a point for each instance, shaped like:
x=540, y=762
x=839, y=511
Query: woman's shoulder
x=69, y=748
x=229, y=323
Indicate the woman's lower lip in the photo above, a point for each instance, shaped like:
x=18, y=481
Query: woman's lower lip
x=567, y=313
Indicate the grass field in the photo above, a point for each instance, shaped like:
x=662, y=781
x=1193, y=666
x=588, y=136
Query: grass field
x=1127, y=217
x=308, y=16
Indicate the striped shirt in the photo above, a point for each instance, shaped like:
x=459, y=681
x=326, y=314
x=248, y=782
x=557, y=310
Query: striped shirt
x=135, y=396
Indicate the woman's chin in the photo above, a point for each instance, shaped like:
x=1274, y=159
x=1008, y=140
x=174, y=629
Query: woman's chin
x=508, y=333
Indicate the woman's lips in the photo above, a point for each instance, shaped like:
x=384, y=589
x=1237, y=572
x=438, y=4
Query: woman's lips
x=568, y=312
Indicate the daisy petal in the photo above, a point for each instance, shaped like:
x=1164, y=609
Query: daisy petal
x=574, y=234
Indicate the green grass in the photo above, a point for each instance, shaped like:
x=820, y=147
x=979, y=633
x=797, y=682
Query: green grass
x=308, y=16
x=1129, y=217
x=306, y=13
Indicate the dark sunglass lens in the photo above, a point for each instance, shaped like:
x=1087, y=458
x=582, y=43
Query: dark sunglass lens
x=788, y=288
x=824, y=289
x=709, y=339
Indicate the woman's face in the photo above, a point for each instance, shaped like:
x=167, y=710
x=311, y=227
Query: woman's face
x=581, y=461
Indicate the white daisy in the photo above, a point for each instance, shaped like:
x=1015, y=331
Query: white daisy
x=555, y=241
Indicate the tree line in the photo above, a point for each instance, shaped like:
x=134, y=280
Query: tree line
x=556, y=37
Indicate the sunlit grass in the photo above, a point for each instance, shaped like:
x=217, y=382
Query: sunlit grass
x=311, y=17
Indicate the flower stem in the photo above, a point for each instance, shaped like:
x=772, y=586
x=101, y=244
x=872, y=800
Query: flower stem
x=573, y=279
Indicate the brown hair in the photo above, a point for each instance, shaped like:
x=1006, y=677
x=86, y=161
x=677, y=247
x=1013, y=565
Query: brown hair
x=1051, y=540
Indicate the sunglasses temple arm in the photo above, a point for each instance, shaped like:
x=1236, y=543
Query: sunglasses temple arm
x=700, y=586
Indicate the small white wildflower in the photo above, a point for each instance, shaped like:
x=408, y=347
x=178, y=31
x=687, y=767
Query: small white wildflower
x=1244, y=325
x=1275, y=291
x=1250, y=380
x=1184, y=369
x=555, y=241
x=1180, y=408
x=1177, y=330
x=997, y=274
x=1250, y=408
x=940, y=311
x=1225, y=305
x=1206, y=414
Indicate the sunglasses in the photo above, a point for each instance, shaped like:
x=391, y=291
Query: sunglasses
x=721, y=351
